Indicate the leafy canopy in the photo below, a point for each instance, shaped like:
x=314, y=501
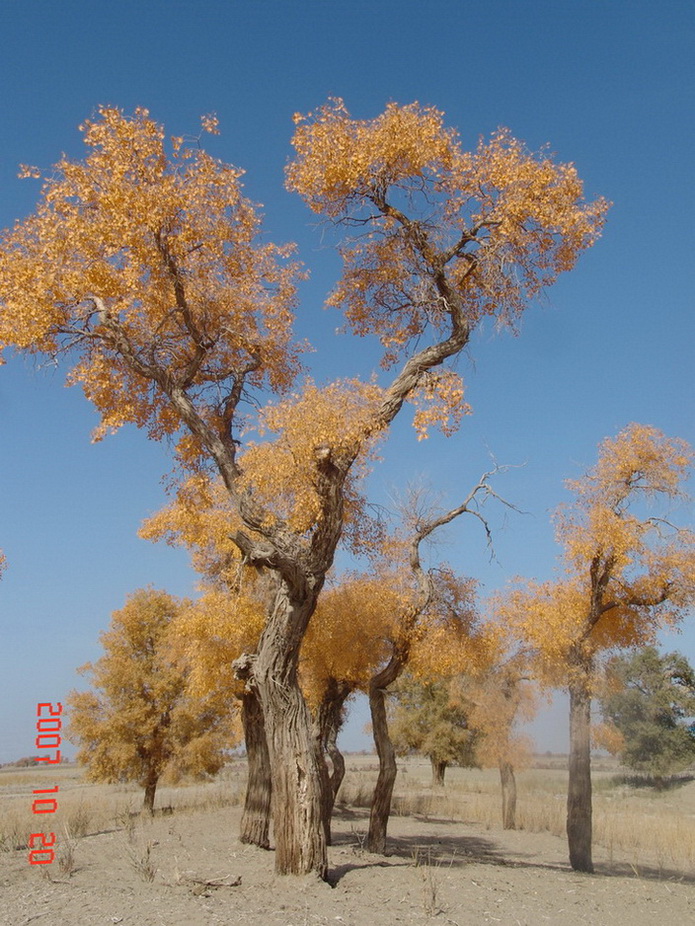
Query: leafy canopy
x=144, y=260
x=650, y=703
x=140, y=718
x=628, y=569
x=425, y=718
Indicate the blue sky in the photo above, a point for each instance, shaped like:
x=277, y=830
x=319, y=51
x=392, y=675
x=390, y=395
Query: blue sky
x=609, y=86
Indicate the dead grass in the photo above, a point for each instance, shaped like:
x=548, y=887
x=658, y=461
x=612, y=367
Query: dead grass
x=85, y=809
x=641, y=823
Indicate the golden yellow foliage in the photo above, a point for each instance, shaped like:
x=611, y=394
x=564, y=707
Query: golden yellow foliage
x=607, y=736
x=217, y=629
x=140, y=718
x=201, y=519
x=628, y=570
x=446, y=640
x=502, y=221
x=348, y=638
x=334, y=422
x=144, y=261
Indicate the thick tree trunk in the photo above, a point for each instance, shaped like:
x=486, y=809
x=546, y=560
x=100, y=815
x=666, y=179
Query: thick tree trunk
x=438, y=770
x=150, y=790
x=579, y=790
x=296, y=762
x=383, y=792
x=508, y=782
x=255, y=821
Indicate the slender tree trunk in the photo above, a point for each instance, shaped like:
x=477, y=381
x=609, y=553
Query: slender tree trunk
x=327, y=723
x=295, y=758
x=579, y=790
x=337, y=761
x=326, y=789
x=255, y=821
x=383, y=792
x=508, y=782
x=438, y=770
x=150, y=789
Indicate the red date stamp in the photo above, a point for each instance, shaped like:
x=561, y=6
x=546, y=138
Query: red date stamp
x=48, y=728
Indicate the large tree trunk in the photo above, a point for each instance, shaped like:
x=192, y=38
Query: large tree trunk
x=255, y=821
x=296, y=762
x=508, y=782
x=579, y=790
x=383, y=792
x=438, y=770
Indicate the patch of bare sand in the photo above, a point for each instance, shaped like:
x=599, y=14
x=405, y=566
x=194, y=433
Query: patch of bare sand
x=437, y=870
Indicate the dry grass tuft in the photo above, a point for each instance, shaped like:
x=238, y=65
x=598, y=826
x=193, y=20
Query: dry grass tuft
x=140, y=861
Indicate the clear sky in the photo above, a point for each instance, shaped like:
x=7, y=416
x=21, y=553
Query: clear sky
x=609, y=86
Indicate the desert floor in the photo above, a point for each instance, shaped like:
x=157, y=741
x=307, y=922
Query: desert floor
x=438, y=869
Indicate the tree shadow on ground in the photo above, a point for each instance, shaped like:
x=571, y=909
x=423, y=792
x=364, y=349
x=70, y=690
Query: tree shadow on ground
x=458, y=851
x=651, y=782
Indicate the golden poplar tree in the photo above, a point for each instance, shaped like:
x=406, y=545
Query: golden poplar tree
x=499, y=696
x=628, y=571
x=142, y=266
x=140, y=720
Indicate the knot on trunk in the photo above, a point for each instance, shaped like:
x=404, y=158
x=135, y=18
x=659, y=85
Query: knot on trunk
x=323, y=453
x=243, y=667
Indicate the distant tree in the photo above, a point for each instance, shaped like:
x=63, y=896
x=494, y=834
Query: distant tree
x=628, y=570
x=25, y=762
x=140, y=720
x=650, y=702
x=499, y=698
x=424, y=718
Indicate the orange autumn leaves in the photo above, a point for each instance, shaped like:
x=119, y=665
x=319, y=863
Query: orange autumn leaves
x=160, y=240
x=628, y=569
x=144, y=262
x=142, y=719
x=500, y=221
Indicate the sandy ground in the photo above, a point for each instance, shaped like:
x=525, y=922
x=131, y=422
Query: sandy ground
x=437, y=870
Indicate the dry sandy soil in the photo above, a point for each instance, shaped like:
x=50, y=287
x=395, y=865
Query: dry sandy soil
x=438, y=870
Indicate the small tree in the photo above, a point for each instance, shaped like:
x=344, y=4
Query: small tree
x=499, y=698
x=650, y=702
x=628, y=572
x=429, y=605
x=425, y=719
x=140, y=720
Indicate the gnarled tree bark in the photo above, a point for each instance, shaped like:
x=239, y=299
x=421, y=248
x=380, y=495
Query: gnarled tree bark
x=383, y=792
x=296, y=763
x=255, y=821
